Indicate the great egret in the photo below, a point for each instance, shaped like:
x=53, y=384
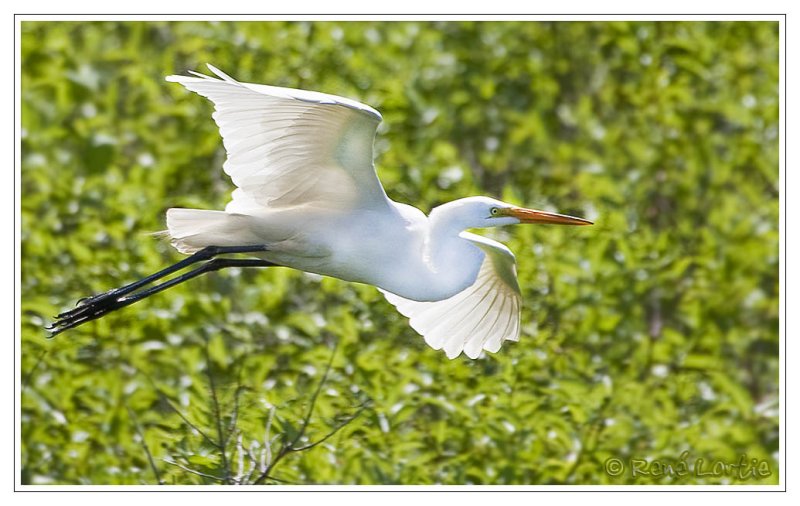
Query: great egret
x=308, y=197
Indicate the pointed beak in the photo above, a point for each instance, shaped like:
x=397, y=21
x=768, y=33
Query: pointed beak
x=535, y=216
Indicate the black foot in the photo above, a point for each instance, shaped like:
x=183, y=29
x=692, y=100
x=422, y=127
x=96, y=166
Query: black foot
x=89, y=308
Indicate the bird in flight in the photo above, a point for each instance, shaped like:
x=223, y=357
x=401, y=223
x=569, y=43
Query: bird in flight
x=308, y=198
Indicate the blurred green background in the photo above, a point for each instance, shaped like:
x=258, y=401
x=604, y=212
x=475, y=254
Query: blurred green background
x=653, y=333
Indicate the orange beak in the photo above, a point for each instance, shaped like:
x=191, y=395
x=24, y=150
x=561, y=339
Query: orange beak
x=534, y=216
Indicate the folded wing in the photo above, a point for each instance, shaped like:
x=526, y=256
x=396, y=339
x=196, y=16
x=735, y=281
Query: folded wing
x=481, y=317
x=292, y=147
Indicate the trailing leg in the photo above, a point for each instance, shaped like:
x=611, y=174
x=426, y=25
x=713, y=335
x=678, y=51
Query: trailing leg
x=96, y=306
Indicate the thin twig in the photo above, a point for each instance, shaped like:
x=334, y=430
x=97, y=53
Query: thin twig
x=313, y=403
x=166, y=399
x=240, y=452
x=254, y=462
x=266, y=454
x=223, y=441
x=288, y=447
x=279, y=480
x=190, y=424
x=235, y=413
x=26, y=379
x=335, y=430
x=597, y=428
x=232, y=430
x=144, y=445
x=193, y=471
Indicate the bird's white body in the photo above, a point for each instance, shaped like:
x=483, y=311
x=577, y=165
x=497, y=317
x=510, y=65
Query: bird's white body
x=423, y=258
x=308, y=191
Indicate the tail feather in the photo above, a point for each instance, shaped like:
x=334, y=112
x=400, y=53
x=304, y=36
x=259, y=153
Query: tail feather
x=191, y=230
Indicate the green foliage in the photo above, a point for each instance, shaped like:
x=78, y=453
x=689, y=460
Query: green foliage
x=652, y=333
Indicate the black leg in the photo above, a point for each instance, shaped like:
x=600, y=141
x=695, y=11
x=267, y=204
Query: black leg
x=97, y=306
x=204, y=254
x=210, y=266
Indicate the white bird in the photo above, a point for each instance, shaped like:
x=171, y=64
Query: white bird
x=308, y=197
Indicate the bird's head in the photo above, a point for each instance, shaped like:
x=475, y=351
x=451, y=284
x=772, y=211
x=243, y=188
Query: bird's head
x=481, y=212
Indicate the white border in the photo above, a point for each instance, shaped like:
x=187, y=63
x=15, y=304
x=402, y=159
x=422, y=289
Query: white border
x=499, y=17
x=398, y=17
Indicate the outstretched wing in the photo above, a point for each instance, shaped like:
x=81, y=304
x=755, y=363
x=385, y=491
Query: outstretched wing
x=480, y=317
x=292, y=147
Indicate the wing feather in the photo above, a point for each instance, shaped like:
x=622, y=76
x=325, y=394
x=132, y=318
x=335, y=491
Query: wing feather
x=481, y=317
x=291, y=147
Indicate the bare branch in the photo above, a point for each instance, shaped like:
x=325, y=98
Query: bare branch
x=313, y=402
x=266, y=453
x=222, y=437
x=166, y=399
x=27, y=378
x=193, y=471
x=190, y=424
x=289, y=447
x=335, y=430
x=144, y=444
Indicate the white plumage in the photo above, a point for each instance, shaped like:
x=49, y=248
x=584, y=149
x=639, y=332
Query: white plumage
x=480, y=317
x=307, y=189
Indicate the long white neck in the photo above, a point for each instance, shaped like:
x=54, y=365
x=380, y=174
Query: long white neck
x=453, y=260
x=429, y=259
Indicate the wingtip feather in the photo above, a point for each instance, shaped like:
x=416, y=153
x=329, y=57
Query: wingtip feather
x=198, y=74
x=175, y=78
x=184, y=79
x=222, y=75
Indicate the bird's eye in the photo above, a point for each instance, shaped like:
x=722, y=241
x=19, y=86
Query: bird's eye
x=494, y=211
